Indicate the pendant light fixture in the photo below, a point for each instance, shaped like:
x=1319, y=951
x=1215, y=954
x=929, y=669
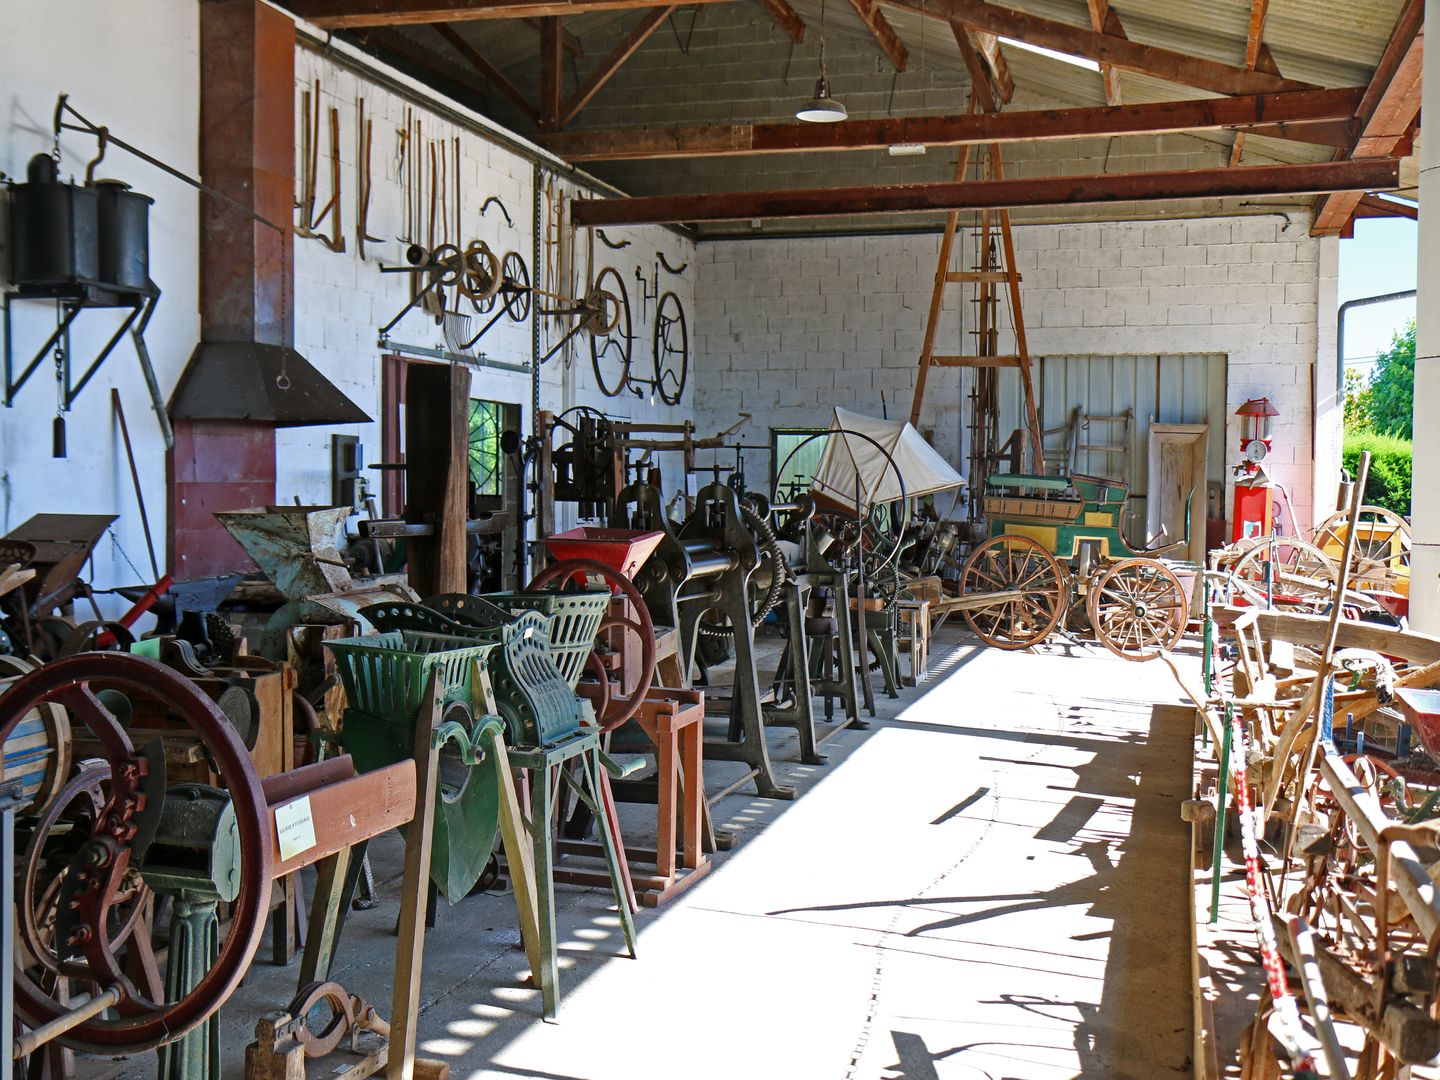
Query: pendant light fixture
x=822, y=108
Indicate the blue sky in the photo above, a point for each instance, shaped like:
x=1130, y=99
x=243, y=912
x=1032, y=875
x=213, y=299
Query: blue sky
x=1380, y=258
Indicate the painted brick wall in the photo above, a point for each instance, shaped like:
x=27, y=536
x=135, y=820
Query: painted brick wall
x=790, y=328
x=341, y=299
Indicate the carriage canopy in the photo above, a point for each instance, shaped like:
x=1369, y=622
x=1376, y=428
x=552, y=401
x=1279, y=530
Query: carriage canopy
x=849, y=455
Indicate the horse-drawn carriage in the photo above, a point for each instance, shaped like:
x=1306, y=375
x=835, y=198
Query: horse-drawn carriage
x=1056, y=547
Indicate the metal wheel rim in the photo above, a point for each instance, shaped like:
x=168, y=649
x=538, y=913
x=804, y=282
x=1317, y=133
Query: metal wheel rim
x=605, y=342
x=662, y=341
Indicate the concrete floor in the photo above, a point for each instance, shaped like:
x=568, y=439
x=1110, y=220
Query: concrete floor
x=989, y=882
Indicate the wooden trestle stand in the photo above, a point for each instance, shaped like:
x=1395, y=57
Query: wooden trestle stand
x=345, y=809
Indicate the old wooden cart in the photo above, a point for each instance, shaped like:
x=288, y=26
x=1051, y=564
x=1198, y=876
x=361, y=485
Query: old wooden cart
x=1056, y=548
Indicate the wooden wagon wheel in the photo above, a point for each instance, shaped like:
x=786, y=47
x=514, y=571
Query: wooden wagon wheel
x=1015, y=564
x=1138, y=609
x=1382, y=546
x=1287, y=573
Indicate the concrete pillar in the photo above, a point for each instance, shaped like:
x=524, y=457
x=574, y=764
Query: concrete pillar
x=1425, y=505
x=1329, y=401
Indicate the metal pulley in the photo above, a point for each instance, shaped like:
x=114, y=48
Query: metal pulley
x=196, y=849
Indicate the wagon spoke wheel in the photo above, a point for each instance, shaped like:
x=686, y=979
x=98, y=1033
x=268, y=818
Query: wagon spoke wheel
x=1138, y=609
x=672, y=349
x=90, y=914
x=617, y=707
x=515, y=287
x=1286, y=573
x=1382, y=545
x=606, y=318
x=1007, y=564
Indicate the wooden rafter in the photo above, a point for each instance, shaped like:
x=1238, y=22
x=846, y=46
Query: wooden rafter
x=881, y=30
x=488, y=71
x=349, y=14
x=981, y=89
x=573, y=45
x=1254, y=43
x=1377, y=174
x=1387, y=114
x=1103, y=48
x=648, y=24
x=1372, y=206
x=1107, y=22
x=1312, y=113
x=788, y=19
x=988, y=46
x=552, y=73
x=422, y=60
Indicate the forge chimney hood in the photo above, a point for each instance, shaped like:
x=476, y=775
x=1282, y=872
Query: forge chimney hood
x=247, y=380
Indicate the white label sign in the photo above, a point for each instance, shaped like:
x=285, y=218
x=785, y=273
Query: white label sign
x=294, y=828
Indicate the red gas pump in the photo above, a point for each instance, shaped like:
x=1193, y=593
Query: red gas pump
x=1254, y=491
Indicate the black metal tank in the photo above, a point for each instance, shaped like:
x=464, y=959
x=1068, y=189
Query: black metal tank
x=54, y=229
x=124, y=231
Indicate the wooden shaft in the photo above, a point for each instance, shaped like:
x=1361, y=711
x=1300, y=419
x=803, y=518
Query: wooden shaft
x=30, y=1041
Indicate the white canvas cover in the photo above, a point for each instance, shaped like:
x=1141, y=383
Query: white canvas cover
x=846, y=456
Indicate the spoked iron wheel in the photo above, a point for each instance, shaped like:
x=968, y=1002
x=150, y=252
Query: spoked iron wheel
x=606, y=318
x=97, y=889
x=672, y=349
x=1286, y=573
x=1138, y=609
x=1015, y=564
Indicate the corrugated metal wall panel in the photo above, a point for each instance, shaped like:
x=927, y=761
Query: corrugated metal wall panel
x=1169, y=389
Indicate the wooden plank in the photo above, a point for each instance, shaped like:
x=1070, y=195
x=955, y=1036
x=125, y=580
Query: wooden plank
x=1388, y=113
x=1101, y=47
x=1309, y=630
x=350, y=14
x=648, y=24
x=994, y=276
x=787, y=18
x=1370, y=206
x=1364, y=175
x=488, y=71
x=349, y=811
x=552, y=73
x=976, y=361
x=881, y=30
x=1291, y=115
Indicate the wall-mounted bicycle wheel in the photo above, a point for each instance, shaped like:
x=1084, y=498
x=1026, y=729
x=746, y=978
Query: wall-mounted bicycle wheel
x=515, y=287
x=606, y=317
x=672, y=349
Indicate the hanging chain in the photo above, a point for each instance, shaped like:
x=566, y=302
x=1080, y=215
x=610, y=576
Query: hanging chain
x=822, y=39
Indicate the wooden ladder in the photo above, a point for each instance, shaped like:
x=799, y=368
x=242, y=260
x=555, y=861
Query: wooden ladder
x=988, y=278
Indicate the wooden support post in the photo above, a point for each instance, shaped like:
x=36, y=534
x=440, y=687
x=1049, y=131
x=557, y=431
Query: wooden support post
x=410, y=944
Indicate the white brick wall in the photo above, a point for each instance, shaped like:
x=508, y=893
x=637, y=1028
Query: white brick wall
x=341, y=300
x=1245, y=287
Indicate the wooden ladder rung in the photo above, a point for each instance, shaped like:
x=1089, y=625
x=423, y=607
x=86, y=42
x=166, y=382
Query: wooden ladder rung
x=998, y=276
x=975, y=361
